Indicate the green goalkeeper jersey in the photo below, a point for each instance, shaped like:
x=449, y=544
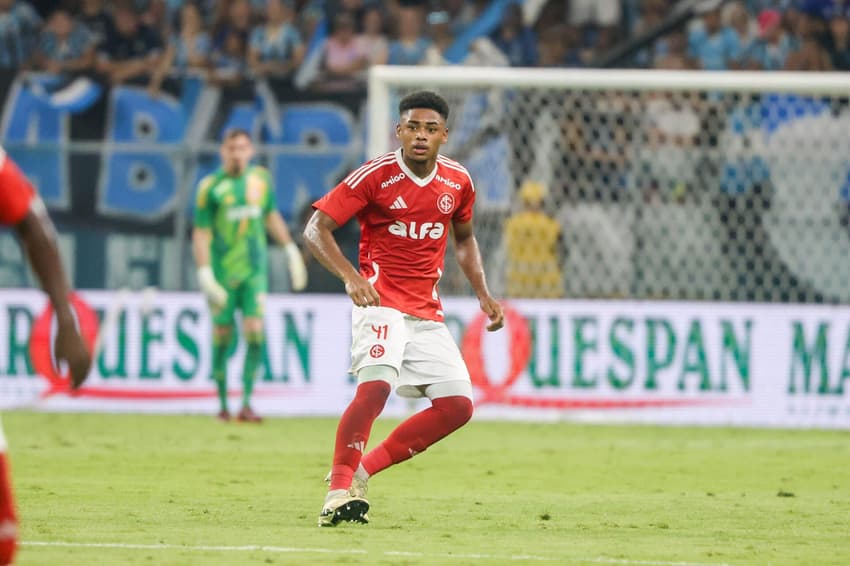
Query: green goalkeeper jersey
x=235, y=208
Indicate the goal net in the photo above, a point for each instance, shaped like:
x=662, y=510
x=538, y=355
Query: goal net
x=660, y=185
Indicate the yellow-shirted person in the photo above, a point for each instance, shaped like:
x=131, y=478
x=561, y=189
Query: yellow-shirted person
x=534, y=248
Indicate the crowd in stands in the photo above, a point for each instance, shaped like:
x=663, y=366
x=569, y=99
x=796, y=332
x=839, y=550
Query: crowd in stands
x=329, y=44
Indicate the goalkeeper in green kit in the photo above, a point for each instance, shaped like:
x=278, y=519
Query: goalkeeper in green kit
x=234, y=208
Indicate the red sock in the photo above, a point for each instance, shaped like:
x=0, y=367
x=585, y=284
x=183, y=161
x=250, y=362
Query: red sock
x=353, y=430
x=444, y=416
x=8, y=519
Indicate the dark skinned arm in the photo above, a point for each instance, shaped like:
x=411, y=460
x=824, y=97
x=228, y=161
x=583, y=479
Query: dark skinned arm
x=318, y=235
x=38, y=238
x=469, y=259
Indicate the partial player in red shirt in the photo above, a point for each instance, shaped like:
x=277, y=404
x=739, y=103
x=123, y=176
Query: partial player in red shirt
x=21, y=208
x=407, y=203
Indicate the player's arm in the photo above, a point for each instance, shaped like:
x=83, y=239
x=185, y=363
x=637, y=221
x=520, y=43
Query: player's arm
x=279, y=231
x=469, y=259
x=38, y=238
x=202, y=237
x=318, y=235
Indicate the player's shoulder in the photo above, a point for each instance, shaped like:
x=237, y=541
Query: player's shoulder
x=371, y=170
x=204, y=186
x=454, y=170
x=259, y=170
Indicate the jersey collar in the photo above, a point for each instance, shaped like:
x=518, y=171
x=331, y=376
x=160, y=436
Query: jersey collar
x=421, y=181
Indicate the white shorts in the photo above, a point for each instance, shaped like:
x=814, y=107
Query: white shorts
x=422, y=352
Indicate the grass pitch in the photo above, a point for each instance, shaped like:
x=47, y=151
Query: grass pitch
x=126, y=489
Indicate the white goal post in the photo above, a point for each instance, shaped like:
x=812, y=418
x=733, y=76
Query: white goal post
x=666, y=184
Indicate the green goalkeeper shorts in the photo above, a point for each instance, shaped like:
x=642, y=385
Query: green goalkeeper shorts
x=249, y=297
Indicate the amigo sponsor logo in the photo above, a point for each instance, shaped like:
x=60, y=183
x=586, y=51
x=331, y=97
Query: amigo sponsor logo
x=414, y=231
x=393, y=180
x=449, y=182
x=242, y=212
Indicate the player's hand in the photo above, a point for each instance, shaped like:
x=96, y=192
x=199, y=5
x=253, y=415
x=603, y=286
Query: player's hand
x=362, y=293
x=493, y=310
x=215, y=293
x=70, y=348
x=297, y=269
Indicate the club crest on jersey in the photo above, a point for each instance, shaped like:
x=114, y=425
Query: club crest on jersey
x=445, y=203
x=376, y=351
x=393, y=180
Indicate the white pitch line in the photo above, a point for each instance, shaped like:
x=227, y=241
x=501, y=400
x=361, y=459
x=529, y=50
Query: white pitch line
x=307, y=550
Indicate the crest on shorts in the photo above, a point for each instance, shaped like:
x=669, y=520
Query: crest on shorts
x=445, y=203
x=376, y=351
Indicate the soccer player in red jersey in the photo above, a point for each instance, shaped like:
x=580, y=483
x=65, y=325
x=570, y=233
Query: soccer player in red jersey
x=21, y=208
x=407, y=203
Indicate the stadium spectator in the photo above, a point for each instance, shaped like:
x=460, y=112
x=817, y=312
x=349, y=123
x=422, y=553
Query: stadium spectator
x=275, y=48
x=131, y=50
x=235, y=208
x=838, y=42
x=229, y=62
x=21, y=208
x=19, y=27
x=96, y=19
x=374, y=37
x=65, y=45
x=410, y=45
x=735, y=13
x=399, y=337
x=773, y=45
x=715, y=46
x=515, y=39
x=534, y=248
x=559, y=46
x=188, y=50
x=676, y=56
x=345, y=58
x=233, y=17
x=482, y=51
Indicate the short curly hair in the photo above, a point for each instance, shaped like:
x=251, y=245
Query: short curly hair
x=425, y=99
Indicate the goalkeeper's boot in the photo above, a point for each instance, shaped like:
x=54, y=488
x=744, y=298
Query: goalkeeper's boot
x=247, y=415
x=340, y=506
x=223, y=415
x=359, y=486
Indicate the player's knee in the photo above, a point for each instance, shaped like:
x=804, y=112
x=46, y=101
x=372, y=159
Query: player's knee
x=456, y=410
x=373, y=392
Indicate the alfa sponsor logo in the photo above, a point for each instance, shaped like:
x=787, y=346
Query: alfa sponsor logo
x=418, y=231
x=393, y=180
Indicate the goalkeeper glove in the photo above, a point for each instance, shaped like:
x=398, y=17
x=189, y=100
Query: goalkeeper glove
x=297, y=269
x=215, y=293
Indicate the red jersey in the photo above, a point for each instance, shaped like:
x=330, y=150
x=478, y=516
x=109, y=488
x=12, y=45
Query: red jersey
x=404, y=226
x=16, y=193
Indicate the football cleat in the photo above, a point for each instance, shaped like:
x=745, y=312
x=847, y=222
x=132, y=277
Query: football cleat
x=340, y=506
x=247, y=415
x=223, y=416
x=359, y=487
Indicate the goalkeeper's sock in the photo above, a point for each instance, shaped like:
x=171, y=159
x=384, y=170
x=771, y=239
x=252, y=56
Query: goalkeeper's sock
x=253, y=357
x=8, y=518
x=219, y=371
x=444, y=416
x=354, y=428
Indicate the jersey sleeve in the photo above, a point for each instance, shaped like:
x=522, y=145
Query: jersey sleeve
x=203, y=208
x=16, y=194
x=270, y=204
x=463, y=214
x=343, y=202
